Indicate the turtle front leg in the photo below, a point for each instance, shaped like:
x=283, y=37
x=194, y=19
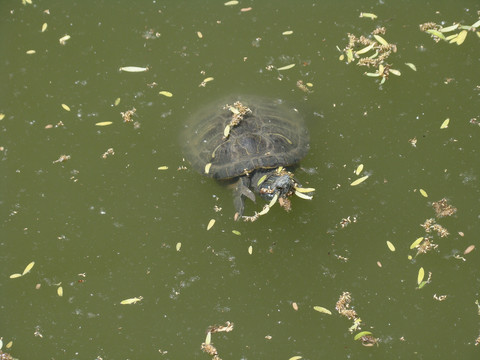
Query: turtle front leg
x=239, y=193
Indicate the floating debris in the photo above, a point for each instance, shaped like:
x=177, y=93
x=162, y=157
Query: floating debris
x=437, y=32
x=127, y=115
x=469, y=249
x=107, y=153
x=62, y=158
x=442, y=208
x=430, y=225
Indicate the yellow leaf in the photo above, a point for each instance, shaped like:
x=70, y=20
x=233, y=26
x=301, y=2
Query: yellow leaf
x=421, y=275
x=365, y=49
x=60, y=291
x=236, y=232
x=289, y=32
x=117, y=101
x=359, y=181
x=322, y=310
x=449, y=28
x=416, y=243
x=395, y=72
x=178, y=246
x=210, y=224
x=390, y=246
x=44, y=27
x=461, y=37
x=226, y=131
x=230, y=3
x=208, y=79
x=445, y=123
x=380, y=40
x=131, y=300
x=295, y=358
x=207, y=168
x=14, y=276
x=368, y=15
x=286, y=67
x=104, y=123
x=65, y=107
x=63, y=39
x=199, y=34
x=31, y=52
x=2, y=116
x=359, y=169
x=166, y=93
x=250, y=249
x=9, y=345
x=208, y=338
x=163, y=167
x=424, y=193
x=28, y=268
x=304, y=190
x=133, y=69
x=411, y=66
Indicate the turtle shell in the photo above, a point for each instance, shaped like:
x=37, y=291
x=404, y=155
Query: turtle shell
x=271, y=135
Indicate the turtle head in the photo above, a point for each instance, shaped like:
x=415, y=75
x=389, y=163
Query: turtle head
x=275, y=183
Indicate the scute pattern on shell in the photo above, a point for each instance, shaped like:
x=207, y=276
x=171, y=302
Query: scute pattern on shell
x=272, y=135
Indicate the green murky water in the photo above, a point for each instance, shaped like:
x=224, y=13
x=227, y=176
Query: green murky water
x=106, y=229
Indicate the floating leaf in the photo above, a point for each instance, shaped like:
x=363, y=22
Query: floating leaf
x=31, y=52
x=210, y=224
x=166, y=93
x=421, y=275
x=303, y=196
x=436, y=33
x=14, y=276
x=65, y=107
x=250, y=249
x=359, y=181
x=117, y=101
x=380, y=40
x=131, y=301
x=390, y=246
x=28, y=267
x=423, y=283
x=445, y=123
x=475, y=25
x=424, y=193
x=236, y=232
x=2, y=116
x=230, y=3
x=104, y=123
x=178, y=246
x=133, y=69
x=295, y=358
x=416, y=243
x=208, y=338
x=461, y=37
x=207, y=168
x=289, y=32
x=64, y=39
x=163, y=167
x=365, y=49
x=469, y=249
x=226, y=131
x=449, y=28
x=361, y=334
x=322, y=310
x=368, y=15
x=199, y=34
x=286, y=67
x=359, y=169
x=9, y=345
x=411, y=66
x=208, y=79
x=261, y=180
x=304, y=190
x=395, y=72
x=373, y=74
x=44, y=27
x=60, y=291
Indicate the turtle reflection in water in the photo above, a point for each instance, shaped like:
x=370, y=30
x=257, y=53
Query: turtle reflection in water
x=248, y=141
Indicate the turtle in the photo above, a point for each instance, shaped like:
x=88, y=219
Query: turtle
x=251, y=142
